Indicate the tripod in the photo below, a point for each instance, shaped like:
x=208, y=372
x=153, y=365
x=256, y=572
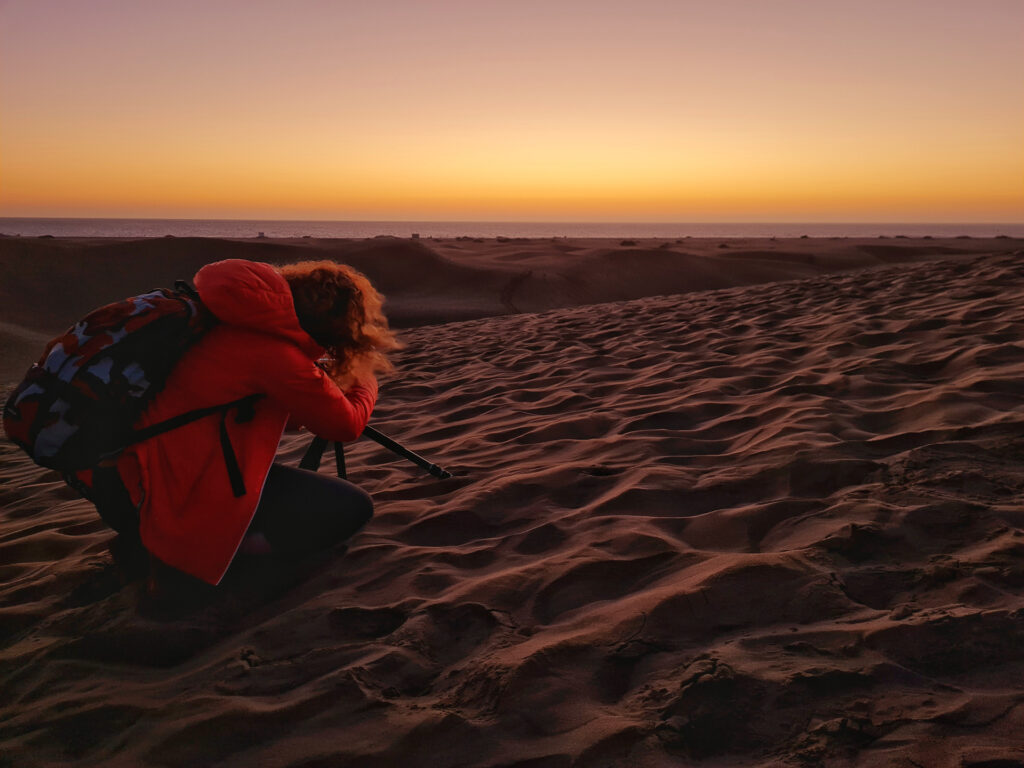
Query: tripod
x=315, y=452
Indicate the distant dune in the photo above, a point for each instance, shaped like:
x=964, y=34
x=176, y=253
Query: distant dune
x=48, y=283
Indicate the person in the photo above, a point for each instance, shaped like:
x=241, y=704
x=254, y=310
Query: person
x=309, y=339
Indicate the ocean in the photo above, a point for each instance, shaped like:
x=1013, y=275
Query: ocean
x=229, y=228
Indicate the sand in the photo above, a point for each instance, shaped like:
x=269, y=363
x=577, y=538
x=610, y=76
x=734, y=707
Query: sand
x=748, y=506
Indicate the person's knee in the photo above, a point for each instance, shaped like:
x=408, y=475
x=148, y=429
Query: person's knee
x=353, y=512
x=362, y=507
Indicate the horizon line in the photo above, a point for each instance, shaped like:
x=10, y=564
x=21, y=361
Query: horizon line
x=945, y=222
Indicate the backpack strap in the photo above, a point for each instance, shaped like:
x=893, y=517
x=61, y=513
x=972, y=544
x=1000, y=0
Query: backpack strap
x=230, y=460
x=245, y=407
x=185, y=287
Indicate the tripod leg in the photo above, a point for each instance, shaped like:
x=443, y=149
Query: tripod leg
x=314, y=454
x=339, y=459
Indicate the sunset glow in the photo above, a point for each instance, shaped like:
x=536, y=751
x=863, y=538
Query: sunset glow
x=403, y=109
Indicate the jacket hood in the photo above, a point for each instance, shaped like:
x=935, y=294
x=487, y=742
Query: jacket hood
x=253, y=295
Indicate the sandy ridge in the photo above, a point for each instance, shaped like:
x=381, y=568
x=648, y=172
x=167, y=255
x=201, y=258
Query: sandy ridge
x=48, y=283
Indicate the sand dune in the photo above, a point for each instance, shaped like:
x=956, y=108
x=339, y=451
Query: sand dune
x=48, y=283
x=779, y=524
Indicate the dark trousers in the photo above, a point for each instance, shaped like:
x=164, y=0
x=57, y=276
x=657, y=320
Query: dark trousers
x=299, y=513
x=302, y=512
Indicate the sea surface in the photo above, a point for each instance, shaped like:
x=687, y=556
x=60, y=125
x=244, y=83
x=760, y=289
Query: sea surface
x=359, y=229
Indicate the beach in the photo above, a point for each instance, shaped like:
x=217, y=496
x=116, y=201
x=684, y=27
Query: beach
x=713, y=502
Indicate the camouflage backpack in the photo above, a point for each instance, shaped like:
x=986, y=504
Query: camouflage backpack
x=77, y=406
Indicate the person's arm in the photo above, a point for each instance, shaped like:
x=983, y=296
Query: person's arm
x=314, y=401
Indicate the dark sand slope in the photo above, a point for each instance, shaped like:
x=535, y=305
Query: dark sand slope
x=773, y=525
x=46, y=284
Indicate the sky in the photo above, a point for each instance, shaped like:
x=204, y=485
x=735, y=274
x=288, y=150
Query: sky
x=528, y=110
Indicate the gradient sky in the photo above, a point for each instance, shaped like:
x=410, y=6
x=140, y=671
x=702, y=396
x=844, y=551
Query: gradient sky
x=639, y=110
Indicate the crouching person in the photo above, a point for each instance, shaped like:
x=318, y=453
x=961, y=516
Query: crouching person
x=300, y=344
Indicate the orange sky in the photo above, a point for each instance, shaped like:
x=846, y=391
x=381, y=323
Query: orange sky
x=649, y=110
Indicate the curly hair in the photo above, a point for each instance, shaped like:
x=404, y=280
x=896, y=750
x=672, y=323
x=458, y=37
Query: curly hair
x=339, y=308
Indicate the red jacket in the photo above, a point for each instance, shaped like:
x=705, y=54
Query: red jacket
x=189, y=516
